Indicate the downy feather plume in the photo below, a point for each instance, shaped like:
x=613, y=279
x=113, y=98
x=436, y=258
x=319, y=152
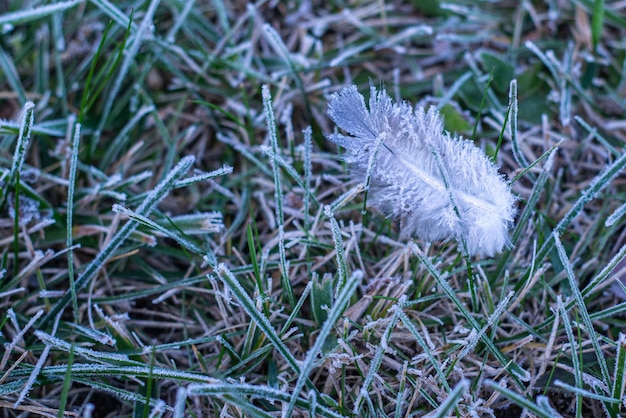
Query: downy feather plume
x=438, y=186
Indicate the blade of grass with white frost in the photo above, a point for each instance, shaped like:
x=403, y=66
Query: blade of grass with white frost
x=196, y=223
x=11, y=387
x=601, y=139
x=103, y=357
x=544, y=59
x=59, y=53
x=131, y=180
x=520, y=400
x=346, y=197
x=23, y=140
x=70, y=218
x=9, y=347
x=453, y=89
x=520, y=158
x=199, y=177
x=604, y=273
x=340, y=255
x=599, y=182
x=296, y=310
x=37, y=369
x=560, y=72
x=261, y=320
x=248, y=357
x=490, y=100
x=170, y=233
x=341, y=303
x=279, y=46
x=288, y=167
x=402, y=390
x=247, y=406
x=181, y=402
x=583, y=312
x=157, y=348
x=43, y=357
x=180, y=19
x=272, y=131
x=39, y=258
x=476, y=335
x=532, y=200
x=408, y=323
x=615, y=216
x=463, y=238
x=244, y=151
x=542, y=157
x=147, y=206
x=129, y=60
x=565, y=96
x=574, y=357
x=34, y=13
x=122, y=394
x=516, y=371
x=612, y=311
x=588, y=290
x=107, y=370
x=308, y=168
x=344, y=54
x=151, y=291
x=588, y=394
x=9, y=292
x=377, y=360
x=543, y=402
x=159, y=409
x=7, y=66
x=114, y=147
x=278, y=191
x=619, y=375
x=56, y=128
x=257, y=391
x=451, y=401
x=94, y=334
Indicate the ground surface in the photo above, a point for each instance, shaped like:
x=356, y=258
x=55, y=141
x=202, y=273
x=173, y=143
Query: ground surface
x=174, y=245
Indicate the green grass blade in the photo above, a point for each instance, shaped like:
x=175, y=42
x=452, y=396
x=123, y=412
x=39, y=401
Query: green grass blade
x=597, y=23
x=66, y=384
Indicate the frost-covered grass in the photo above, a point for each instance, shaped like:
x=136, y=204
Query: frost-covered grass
x=178, y=237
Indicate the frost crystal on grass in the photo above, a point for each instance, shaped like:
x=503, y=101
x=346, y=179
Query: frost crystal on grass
x=438, y=186
x=28, y=210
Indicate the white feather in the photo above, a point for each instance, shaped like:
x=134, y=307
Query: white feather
x=438, y=186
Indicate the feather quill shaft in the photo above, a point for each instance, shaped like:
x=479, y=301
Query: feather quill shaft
x=437, y=185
